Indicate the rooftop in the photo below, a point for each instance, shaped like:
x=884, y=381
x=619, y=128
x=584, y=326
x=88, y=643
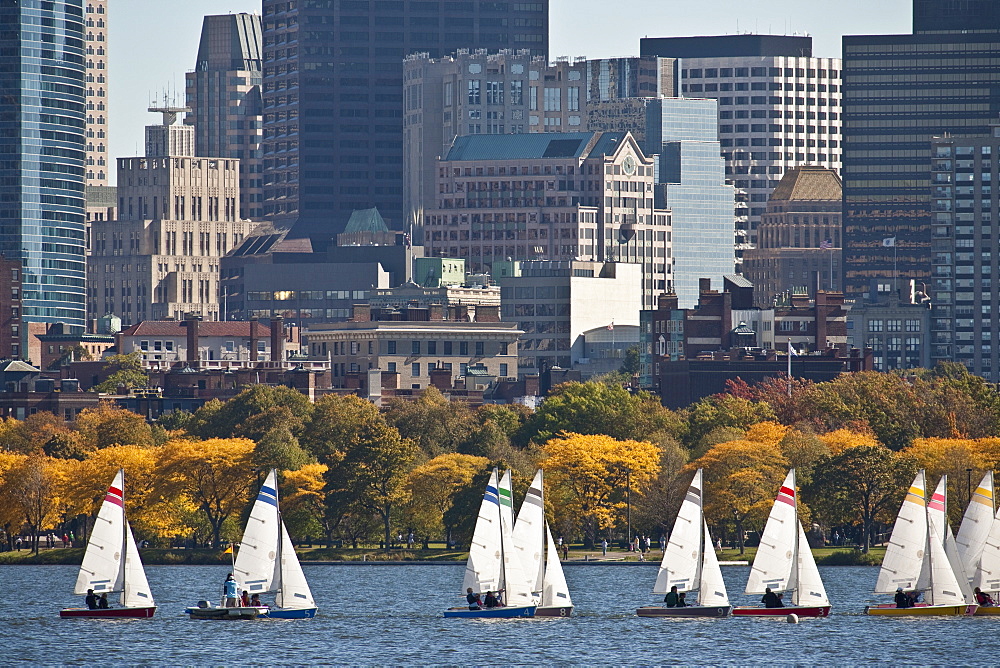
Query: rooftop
x=366, y=220
x=808, y=182
x=534, y=146
x=208, y=328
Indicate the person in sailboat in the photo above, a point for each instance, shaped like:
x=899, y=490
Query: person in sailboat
x=770, y=599
x=245, y=599
x=230, y=591
x=902, y=600
x=473, y=599
x=255, y=601
x=91, y=600
x=672, y=597
x=102, y=603
x=682, y=600
x=491, y=600
x=983, y=599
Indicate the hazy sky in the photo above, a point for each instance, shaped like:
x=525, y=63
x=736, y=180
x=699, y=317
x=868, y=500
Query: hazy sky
x=153, y=43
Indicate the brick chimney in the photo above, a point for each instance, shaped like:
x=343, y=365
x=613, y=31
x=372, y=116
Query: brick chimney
x=191, y=323
x=822, y=312
x=277, y=339
x=253, y=338
x=489, y=313
x=436, y=312
x=361, y=313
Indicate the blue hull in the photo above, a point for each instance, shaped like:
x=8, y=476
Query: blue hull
x=305, y=613
x=492, y=613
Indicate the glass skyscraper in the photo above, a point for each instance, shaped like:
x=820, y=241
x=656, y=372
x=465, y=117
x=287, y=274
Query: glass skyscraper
x=42, y=155
x=899, y=91
x=691, y=182
x=333, y=96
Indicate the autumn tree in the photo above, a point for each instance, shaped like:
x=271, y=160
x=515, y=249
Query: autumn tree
x=741, y=480
x=303, y=499
x=252, y=413
x=435, y=424
x=600, y=409
x=31, y=486
x=215, y=474
x=593, y=470
x=723, y=410
x=958, y=458
x=432, y=487
x=861, y=484
x=11, y=517
x=106, y=424
x=126, y=371
x=657, y=503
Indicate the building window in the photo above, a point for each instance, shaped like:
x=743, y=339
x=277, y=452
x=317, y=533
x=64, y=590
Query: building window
x=463, y=348
x=415, y=369
x=392, y=367
x=893, y=325
x=390, y=347
x=553, y=99
x=432, y=347
x=494, y=92
x=517, y=92
x=503, y=370
x=875, y=325
x=474, y=94
x=448, y=348
x=415, y=347
x=479, y=349
x=913, y=325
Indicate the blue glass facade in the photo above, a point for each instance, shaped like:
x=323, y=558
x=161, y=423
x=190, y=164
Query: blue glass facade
x=42, y=125
x=691, y=182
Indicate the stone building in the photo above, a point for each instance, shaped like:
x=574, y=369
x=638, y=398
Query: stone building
x=799, y=236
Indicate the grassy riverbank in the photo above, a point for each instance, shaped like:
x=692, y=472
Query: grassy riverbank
x=826, y=556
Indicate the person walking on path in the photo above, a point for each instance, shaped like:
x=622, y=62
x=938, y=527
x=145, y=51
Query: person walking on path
x=604, y=547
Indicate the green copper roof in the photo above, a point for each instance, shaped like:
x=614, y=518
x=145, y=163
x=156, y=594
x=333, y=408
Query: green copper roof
x=366, y=220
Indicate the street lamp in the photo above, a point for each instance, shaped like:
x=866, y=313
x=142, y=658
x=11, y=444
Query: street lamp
x=968, y=486
x=628, y=504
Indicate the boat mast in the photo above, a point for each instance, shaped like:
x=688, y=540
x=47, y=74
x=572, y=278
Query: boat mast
x=703, y=540
x=794, y=575
x=124, y=539
x=502, y=585
x=928, y=554
x=281, y=540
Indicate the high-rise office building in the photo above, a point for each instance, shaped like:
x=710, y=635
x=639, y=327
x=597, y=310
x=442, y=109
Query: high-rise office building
x=223, y=93
x=900, y=91
x=333, y=96
x=552, y=196
x=44, y=104
x=178, y=214
x=779, y=107
x=96, y=22
x=691, y=183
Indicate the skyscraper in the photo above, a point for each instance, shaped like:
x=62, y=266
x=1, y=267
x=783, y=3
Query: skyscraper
x=43, y=115
x=223, y=93
x=333, y=96
x=779, y=106
x=96, y=22
x=899, y=92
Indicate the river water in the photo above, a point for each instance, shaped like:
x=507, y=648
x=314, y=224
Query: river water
x=372, y=614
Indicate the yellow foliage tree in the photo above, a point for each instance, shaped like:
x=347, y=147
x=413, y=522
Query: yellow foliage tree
x=306, y=494
x=432, y=488
x=10, y=515
x=741, y=480
x=31, y=485
x=839, y=440
x=216, y=475
x=953, y=457
x=107, y=424
x=770, y=433
x=989, y=450
x=591, y=474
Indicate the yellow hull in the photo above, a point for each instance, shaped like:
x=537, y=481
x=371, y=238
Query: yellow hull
x=988, y=611
x=921, y=610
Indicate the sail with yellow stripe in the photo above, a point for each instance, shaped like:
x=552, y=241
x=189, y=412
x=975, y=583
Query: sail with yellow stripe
x=904, y=555
x=976, y=525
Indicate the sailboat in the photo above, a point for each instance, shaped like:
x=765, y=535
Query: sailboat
x=978, y=543
x=784, y=562
x=111, y=562
x=915, y=559
x=689, y=563
x=937, y=515
x=539, y=557
x=492, y=564
x=267, y=564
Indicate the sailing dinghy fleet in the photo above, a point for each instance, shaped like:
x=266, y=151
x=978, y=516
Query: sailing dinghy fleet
x=930, y=570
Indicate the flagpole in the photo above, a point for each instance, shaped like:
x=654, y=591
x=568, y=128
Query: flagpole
x=789, y=368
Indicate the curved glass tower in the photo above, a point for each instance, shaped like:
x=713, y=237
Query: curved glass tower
x=43, y=102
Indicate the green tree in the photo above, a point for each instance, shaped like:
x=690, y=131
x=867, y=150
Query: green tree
x=723, y=410
x=434, y=423
x=125, y=371
x=859, y=485
x=75, y=353
x=279, y=449
x=252, y=413
x=630, y=364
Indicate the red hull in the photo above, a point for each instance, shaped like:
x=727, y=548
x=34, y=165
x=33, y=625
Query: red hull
x=110, y=613
x=801, y=611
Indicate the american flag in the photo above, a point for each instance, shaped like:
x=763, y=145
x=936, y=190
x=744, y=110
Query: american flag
x=826, y=244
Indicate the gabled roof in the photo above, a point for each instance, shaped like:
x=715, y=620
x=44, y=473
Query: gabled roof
x=168, y=328
x=366, y=220
x=808, y=182
x=533, y=146
x=16, y=366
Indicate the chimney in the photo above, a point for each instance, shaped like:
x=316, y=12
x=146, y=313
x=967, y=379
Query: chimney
x=253, y=339
x=361, y=313
x=277, y=339
x=489, y=313
x=821, y=314
x=192, y=339
x=704, y=285
x=436, y=312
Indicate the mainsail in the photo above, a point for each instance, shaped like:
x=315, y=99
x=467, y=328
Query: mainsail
x=937, y=513
x=483, y=570
x=904, y=555
x=976, y=525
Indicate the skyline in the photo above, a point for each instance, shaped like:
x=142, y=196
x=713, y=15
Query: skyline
x=573, y=30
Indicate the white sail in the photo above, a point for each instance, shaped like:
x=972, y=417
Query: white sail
x=293, y=593
x=943, y=588
x=529, y=533
x=135, y=589
x=483, y=569
x=773, y=564
x=256, y=568
x=987, y=576
x=976, y=525
x=809, y=589
x=506, y=501
x=711, y=588
x=518, y=584
x=555, y=591
x=682, y=557
x=937, y=514
x=904, y=555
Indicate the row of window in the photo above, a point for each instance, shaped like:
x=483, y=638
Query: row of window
x=723, y=72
